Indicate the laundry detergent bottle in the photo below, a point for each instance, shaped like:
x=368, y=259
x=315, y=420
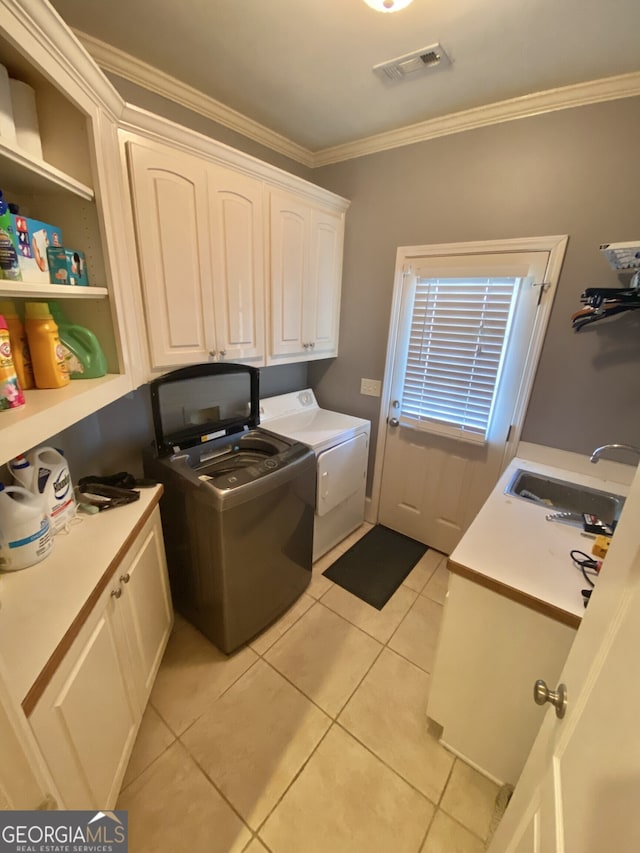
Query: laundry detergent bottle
x=19, y=345
x=25, y=537
x=47, y=354
x=45, y=473
x=11, y=395
x=82, y=351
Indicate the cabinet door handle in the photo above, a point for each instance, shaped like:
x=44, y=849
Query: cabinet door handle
x=222, y=353
x=116, y=593
x=212, y=353
x=557, y=698
x=125, y=578
x=312, y=344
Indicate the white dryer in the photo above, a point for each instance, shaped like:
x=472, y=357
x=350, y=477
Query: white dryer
x=341, y=445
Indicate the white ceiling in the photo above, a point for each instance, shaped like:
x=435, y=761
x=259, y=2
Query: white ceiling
x=302, y=68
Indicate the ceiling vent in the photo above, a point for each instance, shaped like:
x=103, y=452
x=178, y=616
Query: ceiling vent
x=413, y=64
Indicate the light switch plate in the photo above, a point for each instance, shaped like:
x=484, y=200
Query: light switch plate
x=370, y=387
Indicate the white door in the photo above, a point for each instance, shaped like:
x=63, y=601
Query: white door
x=322, y=300
x=171, y=212
x=465, y=320
x=578, y=792
x=238, y=265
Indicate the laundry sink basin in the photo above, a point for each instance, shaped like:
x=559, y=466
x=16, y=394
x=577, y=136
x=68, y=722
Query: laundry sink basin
x=564, y=496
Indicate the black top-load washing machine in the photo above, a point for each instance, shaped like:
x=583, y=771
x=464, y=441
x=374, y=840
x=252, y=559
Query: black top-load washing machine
x=238, y=502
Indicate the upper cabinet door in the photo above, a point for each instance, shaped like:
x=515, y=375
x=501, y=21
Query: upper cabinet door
x=237, y=249
x=306, y=279
x=289, y=245
x=170, y=202
x=322, y=305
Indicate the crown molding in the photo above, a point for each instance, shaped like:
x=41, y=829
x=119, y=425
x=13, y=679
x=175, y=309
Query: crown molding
x=562, y=98
x=551, y=100
x=117, y=62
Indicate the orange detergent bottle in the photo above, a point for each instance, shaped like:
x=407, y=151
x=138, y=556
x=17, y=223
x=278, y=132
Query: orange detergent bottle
x=11, y=395
x=47, y=353
x=19, y=346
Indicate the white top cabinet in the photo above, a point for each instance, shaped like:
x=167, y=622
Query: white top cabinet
x=70, y=187
x=306, y=276
x=199, y=230
x=239, y=261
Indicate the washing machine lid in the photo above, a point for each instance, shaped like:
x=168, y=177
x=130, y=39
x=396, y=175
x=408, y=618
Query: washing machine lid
x=203, y=401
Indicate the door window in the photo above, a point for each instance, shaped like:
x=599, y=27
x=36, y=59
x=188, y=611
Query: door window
x=456, y=344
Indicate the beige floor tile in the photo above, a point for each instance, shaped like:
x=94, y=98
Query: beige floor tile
x=254, y=740
x=436, y=588
x=417, y=636
x=319, y=584
x=192, y=675
x=388, y=714
x=173, y=806
x=470, y=798
x=347, y=801
x=423, y=570
x=447, y=836
x=268, y=637
x=352, y=538
x=152, y=740
x=324, y=656
x=379, y=623
x=256, y=846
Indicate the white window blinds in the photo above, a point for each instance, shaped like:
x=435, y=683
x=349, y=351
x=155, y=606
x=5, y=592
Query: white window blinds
x=458, y=331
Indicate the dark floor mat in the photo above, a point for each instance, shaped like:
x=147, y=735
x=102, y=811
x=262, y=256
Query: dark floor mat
x=376, y=565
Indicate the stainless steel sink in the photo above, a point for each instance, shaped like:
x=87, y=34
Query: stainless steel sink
x=563, y=496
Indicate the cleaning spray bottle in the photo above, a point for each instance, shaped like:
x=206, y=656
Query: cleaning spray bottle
x=19, y=345
x=47, y=354
x=83, y=353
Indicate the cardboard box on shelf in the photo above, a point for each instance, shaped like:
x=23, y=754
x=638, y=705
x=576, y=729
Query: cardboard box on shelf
x=32, y=238
x=67, y=266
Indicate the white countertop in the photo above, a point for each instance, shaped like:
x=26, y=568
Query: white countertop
x=512, y=548
x=38, y=604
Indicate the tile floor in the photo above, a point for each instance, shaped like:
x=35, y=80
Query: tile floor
x=312, y=739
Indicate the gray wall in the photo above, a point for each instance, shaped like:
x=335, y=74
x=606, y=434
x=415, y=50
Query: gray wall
x=574, y=172
x=146, y=100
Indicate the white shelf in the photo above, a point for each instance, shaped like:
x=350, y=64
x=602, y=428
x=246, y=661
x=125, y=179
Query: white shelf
x=28, y=290
x=50, y=411
x=24, y=173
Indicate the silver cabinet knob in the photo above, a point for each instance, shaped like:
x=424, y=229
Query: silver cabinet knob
x=393, y=422
x=212, y=353
x=116, y=593
x=125, y=578
x=222, y=353
x=558, y=698
x=312, y=344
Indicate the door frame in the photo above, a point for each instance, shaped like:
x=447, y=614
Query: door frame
x=556, y=246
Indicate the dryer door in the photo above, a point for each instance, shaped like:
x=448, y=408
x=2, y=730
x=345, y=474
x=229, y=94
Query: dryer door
x=342, y=470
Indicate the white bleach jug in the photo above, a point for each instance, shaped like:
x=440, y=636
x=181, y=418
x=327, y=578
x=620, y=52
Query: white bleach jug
x=44, y=471
x=25, y=537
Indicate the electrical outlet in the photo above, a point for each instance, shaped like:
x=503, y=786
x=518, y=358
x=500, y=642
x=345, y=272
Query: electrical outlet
x=370, y=387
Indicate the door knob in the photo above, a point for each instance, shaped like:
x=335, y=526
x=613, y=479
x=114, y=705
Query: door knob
x=394, y=422
x=558, y=698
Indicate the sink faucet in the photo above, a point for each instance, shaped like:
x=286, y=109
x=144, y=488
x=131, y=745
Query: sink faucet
x=597, y=453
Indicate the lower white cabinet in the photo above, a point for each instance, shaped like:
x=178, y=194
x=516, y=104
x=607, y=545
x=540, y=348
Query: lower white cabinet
x=87, y=718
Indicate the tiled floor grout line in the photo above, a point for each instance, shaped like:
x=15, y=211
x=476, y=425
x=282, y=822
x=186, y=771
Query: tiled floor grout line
x=296, y=776
x=333, y=718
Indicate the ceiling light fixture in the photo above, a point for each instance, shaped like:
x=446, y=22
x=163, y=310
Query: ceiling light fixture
x=388, y=5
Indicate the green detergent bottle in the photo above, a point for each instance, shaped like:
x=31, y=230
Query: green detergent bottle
x=83, y=353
